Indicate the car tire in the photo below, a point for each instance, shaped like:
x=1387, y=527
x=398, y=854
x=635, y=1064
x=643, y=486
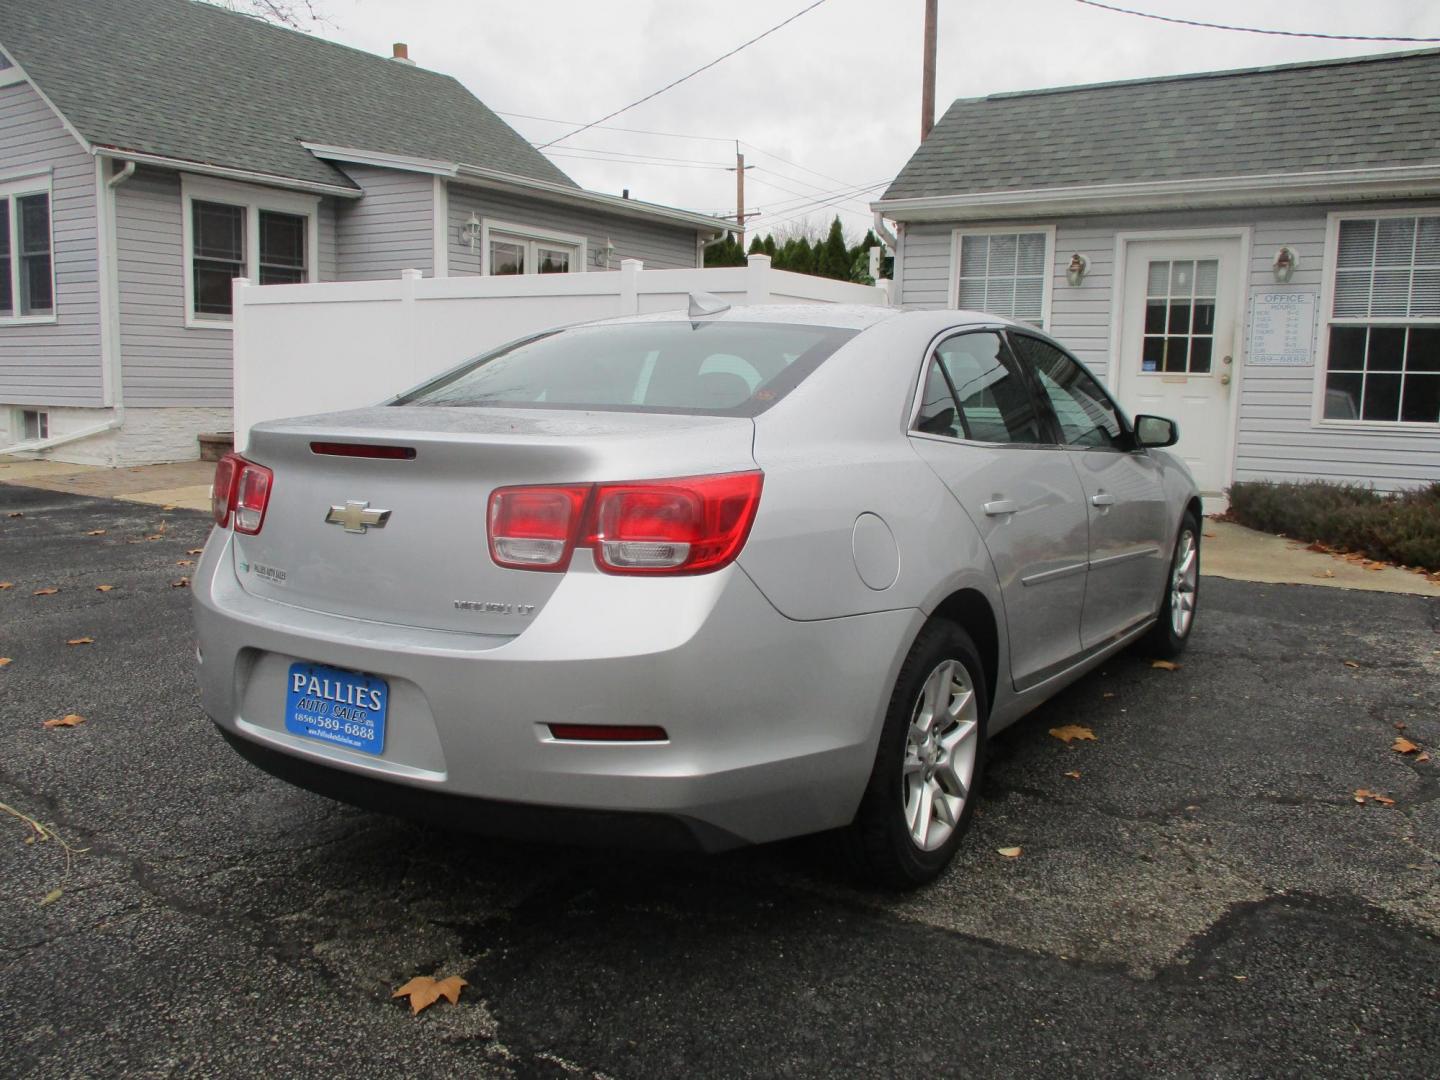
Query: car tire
x=928, y=766
x=1180, y=602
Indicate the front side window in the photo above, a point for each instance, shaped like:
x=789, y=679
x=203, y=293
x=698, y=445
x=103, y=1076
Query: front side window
x=516, y=254
x=1004, y=274
x=27, y=272
x=992, y=403
x=718, y=368
x=1085, y=413
x=1383, y=362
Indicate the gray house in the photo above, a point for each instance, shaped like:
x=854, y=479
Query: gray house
x=1255, y=253
x=151, y=150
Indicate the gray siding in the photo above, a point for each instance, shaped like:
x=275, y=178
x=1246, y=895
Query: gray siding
x=164, y=361
x=56, y=363
x=660, y=247
x=1276, y=436
x=388, y=230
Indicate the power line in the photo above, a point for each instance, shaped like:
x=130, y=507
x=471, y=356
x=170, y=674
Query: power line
x=795, y=164
x=821, y=204
x=1254, y=29
x=683, y=78
x=612, y=127
x=637, y=154
x=626, y=161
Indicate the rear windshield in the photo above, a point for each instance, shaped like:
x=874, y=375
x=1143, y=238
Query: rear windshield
x=717, y=368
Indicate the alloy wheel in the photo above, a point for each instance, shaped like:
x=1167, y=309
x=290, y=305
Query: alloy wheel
x=1184, y=580
x=940, y=751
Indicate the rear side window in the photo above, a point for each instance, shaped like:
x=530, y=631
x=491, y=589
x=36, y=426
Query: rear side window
x=989, y=401
x=1085, y=414
x=716, y=368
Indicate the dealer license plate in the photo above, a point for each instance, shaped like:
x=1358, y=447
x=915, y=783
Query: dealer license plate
x=343, y=708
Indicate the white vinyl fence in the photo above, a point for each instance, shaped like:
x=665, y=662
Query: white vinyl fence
x=336, y=345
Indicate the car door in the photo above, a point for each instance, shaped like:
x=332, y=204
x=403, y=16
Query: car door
x=978, y=425
x=1124, y=492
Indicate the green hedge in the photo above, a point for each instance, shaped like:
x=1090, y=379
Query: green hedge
x=1402, y=528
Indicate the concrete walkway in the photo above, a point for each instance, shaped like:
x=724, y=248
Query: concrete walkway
x=183, y=485
x=1233, y=551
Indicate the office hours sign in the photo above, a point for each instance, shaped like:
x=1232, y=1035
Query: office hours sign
x=1282, y=329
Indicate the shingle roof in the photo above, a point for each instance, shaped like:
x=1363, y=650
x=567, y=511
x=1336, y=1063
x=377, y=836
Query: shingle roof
x=189, y=80
x=1336, y=114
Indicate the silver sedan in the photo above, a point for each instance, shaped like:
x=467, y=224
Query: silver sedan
x=711, y=578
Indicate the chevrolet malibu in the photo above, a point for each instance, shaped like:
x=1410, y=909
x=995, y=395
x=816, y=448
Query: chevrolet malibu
x=706, y=578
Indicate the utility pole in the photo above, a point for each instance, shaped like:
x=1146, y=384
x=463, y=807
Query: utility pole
x=740, y=214
x=927, y=77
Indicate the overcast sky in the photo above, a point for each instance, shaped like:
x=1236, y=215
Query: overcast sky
x=837, y=92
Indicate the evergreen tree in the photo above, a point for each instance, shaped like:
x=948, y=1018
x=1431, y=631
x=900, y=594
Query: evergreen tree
x=757, y=246
x=832, y=257
x=770, y=245
x=802, y=258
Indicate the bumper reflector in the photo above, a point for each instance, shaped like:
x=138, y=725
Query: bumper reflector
x=608, y=733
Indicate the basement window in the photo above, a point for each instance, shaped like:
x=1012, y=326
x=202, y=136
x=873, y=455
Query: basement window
x=34, y=424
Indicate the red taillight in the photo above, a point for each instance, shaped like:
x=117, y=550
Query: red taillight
x=691, y=525
x=534, y=528
x=241, y=488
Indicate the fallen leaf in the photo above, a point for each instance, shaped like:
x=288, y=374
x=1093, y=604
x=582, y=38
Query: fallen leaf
x=137, y=540
x=96, y=532
x=1073, y=775
x=51, y=897
x=81, y=641
x=1165, y=665
x=1108, y=694
x=154, y=536
x=195, y=551
x=1072, y=731
x=1209, y=536
x=1362, y=795
x=161, y=527
x=183, y=583
x=1424, y=755
x=167, y=508
x=1351, y=663
x=5, y=661
x=1010, y=852
x=44, y=592
x=15, y=513
x=68, y=720
x=104, y=588
x=1317, y=546
x=1402, y=745
x=423, y=991
x=184, y=562
x=7, y=584
x=1324, y=573
x=1376, y=566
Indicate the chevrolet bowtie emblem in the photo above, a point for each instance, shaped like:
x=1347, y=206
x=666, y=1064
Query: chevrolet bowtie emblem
x=357, y=516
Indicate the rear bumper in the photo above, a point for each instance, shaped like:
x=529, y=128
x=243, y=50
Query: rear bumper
x=772, y=723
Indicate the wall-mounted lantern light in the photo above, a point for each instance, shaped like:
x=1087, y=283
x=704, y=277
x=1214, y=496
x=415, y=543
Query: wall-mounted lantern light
x=1077, y=269
x=1286, y=260
x=602, y=256
x=472, y=230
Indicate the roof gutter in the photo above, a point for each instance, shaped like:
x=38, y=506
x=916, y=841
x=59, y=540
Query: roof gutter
x=248, y=176
x=1270, y=189
x=495, y=178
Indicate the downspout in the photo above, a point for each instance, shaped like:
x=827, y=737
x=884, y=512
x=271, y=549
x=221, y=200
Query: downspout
x=109, y=306
x=891, y=241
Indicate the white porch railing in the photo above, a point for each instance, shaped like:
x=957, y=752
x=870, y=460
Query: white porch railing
x=313, y=348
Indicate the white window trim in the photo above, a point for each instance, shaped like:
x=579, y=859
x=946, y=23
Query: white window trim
x=992, y=230
x=10, y=190
x=253, y=199
x=11, y=75
x=530, y=235
x=1327, y=319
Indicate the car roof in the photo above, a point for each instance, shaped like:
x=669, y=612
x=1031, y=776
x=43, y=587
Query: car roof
x=839, y=316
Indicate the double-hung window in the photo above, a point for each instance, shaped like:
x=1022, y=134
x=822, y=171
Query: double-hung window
x=27, y=265
x=1383, y=360
x=1004, y=272
x=234, y=230
x=511, y=249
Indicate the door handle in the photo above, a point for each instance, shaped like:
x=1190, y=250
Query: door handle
x=1102, y=500
x=1000, y=506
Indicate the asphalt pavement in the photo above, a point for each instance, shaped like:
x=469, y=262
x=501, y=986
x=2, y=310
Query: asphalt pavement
x=1205, y=898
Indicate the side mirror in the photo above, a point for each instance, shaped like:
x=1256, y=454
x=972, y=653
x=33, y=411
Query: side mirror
x=1155, y=431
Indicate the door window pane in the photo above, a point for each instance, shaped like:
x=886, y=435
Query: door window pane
x=1086, y=415
x=37, y=294
x=1179, y=315
x=219, y=255
x=995, y=404
x=282, y=248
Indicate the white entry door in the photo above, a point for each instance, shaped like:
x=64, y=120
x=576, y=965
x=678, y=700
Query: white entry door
x=1177, y=345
